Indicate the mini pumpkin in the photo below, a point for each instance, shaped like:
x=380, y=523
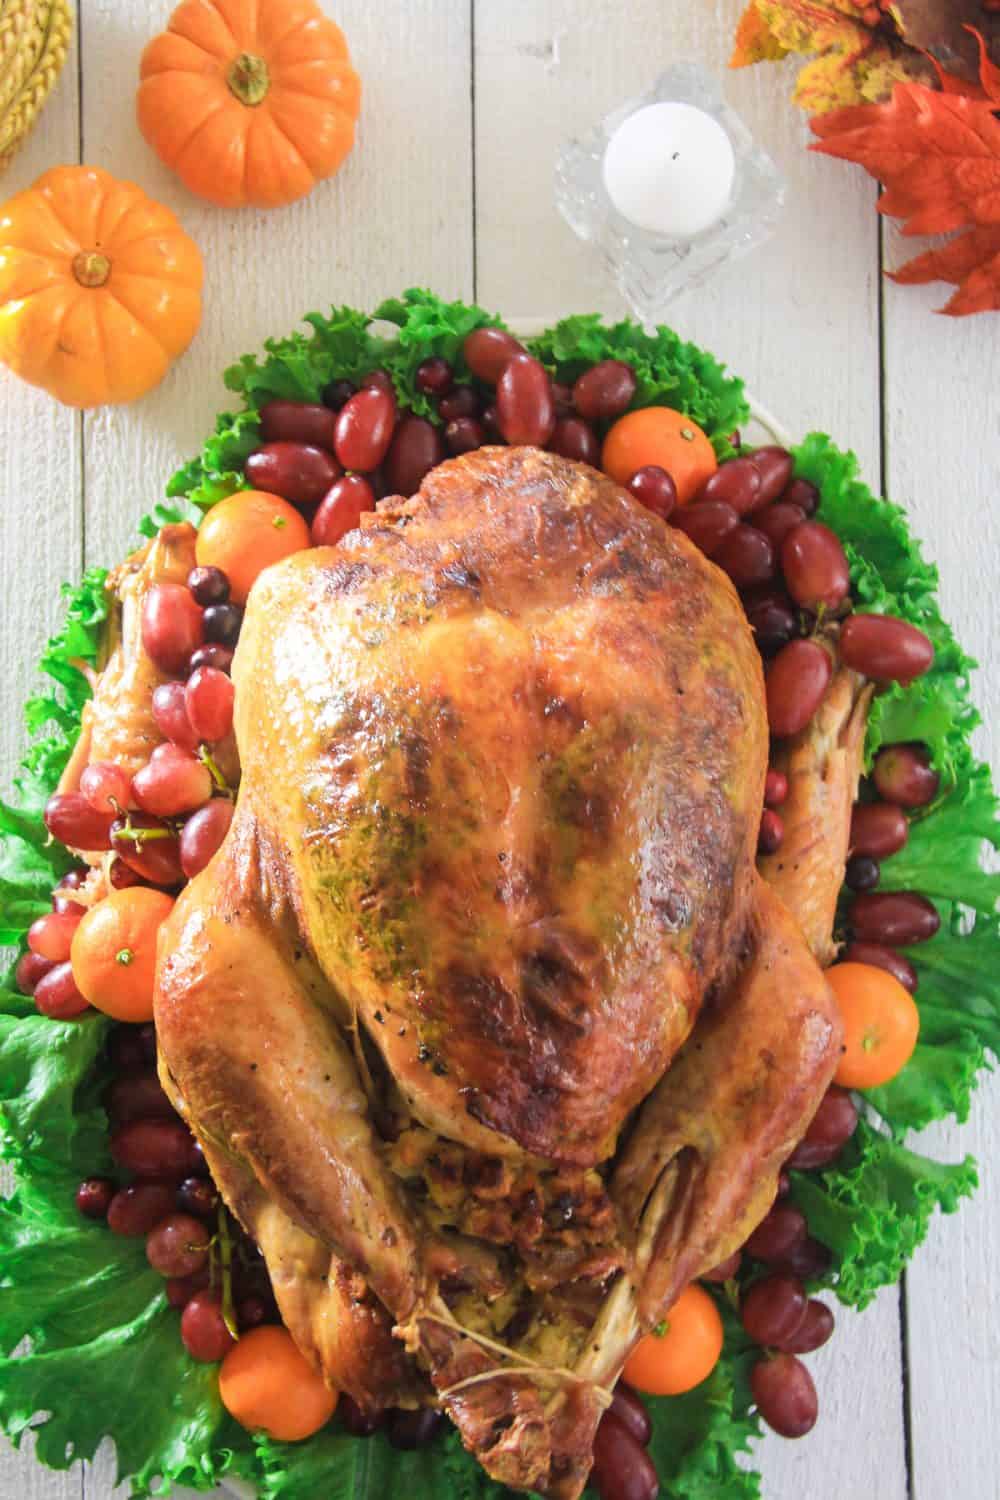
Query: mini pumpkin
x=100, y=288
x=249, y=101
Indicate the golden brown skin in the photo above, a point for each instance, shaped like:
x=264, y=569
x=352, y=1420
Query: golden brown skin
x=503, y=757
x=823, y=765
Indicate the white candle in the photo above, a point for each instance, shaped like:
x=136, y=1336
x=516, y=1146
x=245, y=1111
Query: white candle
x=669, y=168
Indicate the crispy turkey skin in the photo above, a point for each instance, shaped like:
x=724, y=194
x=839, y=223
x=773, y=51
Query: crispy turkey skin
x=503, y=754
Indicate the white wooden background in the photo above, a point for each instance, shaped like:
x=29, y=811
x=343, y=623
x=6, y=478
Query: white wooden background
x=465, y=104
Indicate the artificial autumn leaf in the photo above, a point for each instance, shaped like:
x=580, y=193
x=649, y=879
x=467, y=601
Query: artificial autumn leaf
x=944, y=28
x=937, y=156
x=969, y=261
x=854, y=59
x=755, y=41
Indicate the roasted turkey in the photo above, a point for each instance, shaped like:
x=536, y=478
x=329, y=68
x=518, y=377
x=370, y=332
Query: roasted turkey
x=492, y=1033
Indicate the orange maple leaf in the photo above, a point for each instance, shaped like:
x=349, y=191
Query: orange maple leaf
x=937, y=155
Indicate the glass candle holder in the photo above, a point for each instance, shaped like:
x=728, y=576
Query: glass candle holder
x=669, y=194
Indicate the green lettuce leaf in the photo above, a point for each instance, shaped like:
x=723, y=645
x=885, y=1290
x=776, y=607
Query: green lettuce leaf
x=873, y=1208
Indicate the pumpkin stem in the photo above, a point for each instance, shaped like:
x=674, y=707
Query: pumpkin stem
x=248, y=78
x=91, y=268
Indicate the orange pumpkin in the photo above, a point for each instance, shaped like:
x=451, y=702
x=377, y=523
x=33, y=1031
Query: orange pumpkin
x=100, y=288
x=249, y=101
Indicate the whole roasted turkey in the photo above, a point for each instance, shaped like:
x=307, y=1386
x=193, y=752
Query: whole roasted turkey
x=492, y=1033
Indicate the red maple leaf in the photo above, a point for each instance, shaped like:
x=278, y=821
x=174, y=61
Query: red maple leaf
x=937, y=155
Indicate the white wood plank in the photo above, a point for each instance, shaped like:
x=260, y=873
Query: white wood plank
x=41, y=533
x=943, y=445
x=799, y=320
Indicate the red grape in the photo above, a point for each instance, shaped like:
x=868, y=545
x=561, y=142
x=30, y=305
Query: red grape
x=830, y=1128
x=203, y=834
x=782, y=1229
x=170, y=715
x=296, y=422
x=379, y=380
x=174, y=782
x=885, y=649
x=172, y=626
x=862, y=873
x=137, y=1097
x=434, y=376
x=299, y=472
x=770, y=833
x=359, y=1423
x=338, y=393
x=524, y=402
x=785, y=1395
x=807, y=1260
x=796, y=684
x=815, y=566
x=71, y=819
x=897, y=918
x=878, y=829
x=463, y=435
x=178, y=1246
x=773, y=1308
x=156, y=1148
x=655, y=489
x=776, y=521
x=573, y=438
x=775, y=787
x=222, y=624
x=50, y=936
x=726, y=1269
x=198, y=1196
x=817, y=1327
x=604, y=391
x=889, y=959
x=125, y=1052
x=562, y=399
x=180, y=1289
x=208, y=698
x=773, y=622
x=219, y=658
x=208, y=586
x=414, y=1429
x=341, y=510
x=203, y=1329
x=364, y=431
x=138, y=1208
x=623, y=1470
x=707, y=523
x=416, y=448
x=628, y=1408
x=93, y=1197
x=149, y=847
x=774, y=465
x=461, y=401
x=747, y=555
x=802, y=493
x=57, y=996
x=737, y=482
x=106, y=786
x=491, y=427
x=487, y=351
x=30, y=969
x=904, y=774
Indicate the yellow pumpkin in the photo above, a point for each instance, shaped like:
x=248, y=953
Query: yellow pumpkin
x=100, y=288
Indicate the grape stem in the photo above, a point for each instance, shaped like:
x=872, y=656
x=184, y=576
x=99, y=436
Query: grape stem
x=221, y=784
x=225, y=1241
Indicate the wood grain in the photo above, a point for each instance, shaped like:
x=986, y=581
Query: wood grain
x=943, y=465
